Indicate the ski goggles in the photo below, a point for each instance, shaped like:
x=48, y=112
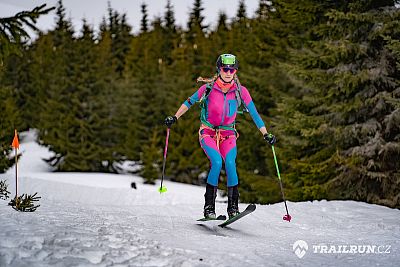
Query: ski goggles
x=226, y=70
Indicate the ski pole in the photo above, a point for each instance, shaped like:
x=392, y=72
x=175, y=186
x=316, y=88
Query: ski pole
x=287, y=217
x=162, y=188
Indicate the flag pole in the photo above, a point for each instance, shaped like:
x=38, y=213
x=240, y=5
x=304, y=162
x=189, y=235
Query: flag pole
x=16, y=172
x=15, y=145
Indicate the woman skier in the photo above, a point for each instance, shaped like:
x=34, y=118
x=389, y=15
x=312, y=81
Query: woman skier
x=219, y=101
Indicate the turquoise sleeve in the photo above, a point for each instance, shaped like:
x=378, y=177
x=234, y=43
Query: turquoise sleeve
x=195, y=97
x=254, y=115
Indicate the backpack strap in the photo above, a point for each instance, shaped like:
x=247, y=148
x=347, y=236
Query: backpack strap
x=203, y=104
x=206, y=92
x=239, y=99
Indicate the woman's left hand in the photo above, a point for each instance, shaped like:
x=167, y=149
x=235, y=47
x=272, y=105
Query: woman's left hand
x=270, y=138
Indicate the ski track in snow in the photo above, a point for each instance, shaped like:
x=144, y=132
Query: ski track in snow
x=88, y=219
x=64, y=234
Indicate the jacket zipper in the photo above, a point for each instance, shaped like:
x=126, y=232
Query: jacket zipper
x=223, y=111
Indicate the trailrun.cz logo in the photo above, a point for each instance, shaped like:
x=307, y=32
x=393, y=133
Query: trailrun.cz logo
x=300, y=248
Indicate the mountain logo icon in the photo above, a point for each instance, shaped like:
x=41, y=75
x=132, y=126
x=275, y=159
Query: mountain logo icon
x=300, y=248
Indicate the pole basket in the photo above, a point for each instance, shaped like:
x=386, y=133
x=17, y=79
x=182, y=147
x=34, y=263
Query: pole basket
x=162, y=189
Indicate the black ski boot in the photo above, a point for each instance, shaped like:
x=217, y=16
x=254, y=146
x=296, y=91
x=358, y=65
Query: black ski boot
x=233, y=201
x=209, y=206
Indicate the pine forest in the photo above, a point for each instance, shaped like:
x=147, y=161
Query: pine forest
x=324, y=76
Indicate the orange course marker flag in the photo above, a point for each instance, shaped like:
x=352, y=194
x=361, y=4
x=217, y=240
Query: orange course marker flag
x=15, y=142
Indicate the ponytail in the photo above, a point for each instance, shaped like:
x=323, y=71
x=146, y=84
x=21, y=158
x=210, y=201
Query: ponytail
x=207, y=80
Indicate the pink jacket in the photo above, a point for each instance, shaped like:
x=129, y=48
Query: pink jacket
x=222, y=107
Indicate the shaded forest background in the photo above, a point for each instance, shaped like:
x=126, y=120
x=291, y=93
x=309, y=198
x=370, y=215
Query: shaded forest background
x=324, y=75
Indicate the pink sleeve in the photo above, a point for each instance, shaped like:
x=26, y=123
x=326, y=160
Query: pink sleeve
x=245, y=95
x=201, y=91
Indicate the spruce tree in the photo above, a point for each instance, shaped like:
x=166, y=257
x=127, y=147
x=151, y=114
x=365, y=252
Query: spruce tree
x=144, y=21
x=221, y=38
x=9, y=120
x=151, y=157
x=222, y=22
x=241, y=12
x=169, y=17
x=263, y=9
x=196, y=17
x=13, y=34
x=76, y=120
x=13, y=30
x=344, y=114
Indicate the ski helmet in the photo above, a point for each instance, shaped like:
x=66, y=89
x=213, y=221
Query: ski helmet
x=227, y=60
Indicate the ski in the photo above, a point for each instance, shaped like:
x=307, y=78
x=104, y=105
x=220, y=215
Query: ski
x=219, y=218
x=250, y=208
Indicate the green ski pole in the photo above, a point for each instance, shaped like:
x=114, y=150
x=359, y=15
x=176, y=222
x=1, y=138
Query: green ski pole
x=287, y=217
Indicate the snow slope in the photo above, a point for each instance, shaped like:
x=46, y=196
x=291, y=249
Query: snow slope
x=93, y=219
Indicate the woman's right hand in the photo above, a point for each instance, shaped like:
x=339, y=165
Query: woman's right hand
x=170, y=120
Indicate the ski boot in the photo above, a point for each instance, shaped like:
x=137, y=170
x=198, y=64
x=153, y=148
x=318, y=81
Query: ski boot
x=209, y=206
x=233, y=201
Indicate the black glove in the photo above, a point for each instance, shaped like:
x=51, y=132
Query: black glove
x=170, y=120
x=270, y=138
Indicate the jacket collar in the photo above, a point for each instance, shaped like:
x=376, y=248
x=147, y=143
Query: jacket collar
x=219, y=84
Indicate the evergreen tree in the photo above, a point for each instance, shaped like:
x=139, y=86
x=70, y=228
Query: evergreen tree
x=76, y=118
x=4, y=193
x=12, y=37
x=221, y=38
x=344, y=114
x=9, y=120
x=170, y=35
x=241, y=34
x=144, y=22
x=13, y=33
x=151, y=156
x=263, y=9
x=118, y=31
x=121, y=43
x=196, y=18
x=241, y=12
x=64, y=27
x=222, y=26
x=197, y=52
x=169, y=17
x=55, y=51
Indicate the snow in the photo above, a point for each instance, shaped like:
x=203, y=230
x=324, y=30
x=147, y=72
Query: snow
x=94, y=219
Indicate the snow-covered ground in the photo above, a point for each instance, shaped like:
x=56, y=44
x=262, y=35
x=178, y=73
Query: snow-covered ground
x=93, y=219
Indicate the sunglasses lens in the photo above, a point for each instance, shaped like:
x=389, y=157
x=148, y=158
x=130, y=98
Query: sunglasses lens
x=226, y=70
